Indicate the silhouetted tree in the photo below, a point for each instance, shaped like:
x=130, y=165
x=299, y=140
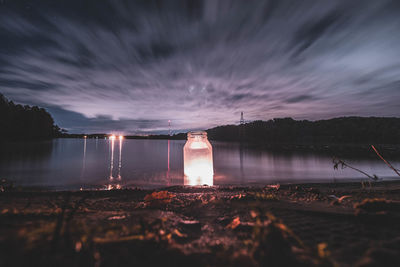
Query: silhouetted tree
x=344, y=130
x=25, y=122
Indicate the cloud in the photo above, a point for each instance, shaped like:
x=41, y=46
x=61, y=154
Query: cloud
x=133, y=65
x=76, y=122
x=299, y=98
x=310, y=32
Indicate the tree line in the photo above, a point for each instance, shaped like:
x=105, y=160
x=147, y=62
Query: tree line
x=18, y=122
x=344, y=130
x=32, y=122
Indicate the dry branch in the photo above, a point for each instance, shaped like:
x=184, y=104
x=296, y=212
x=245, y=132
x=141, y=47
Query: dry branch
x=387, y=163
x=337, y=162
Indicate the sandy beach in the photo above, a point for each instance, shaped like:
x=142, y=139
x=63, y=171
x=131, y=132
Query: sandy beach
x=342, y=224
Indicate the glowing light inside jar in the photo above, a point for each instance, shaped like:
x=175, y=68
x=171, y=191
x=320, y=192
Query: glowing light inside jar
x=198, y=160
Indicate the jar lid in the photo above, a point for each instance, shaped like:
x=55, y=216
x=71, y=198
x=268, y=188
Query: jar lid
x=197, y=133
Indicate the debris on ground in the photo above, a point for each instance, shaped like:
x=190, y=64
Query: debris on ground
x=289, y=225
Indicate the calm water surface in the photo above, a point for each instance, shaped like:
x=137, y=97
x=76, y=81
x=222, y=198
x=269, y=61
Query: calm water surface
x=99, y=163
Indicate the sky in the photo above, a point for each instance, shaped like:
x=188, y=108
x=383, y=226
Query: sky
x=130, y=66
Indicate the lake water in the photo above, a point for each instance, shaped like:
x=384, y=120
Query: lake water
x=99, y=163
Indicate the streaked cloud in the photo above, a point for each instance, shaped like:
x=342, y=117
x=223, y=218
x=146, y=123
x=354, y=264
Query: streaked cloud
x=130, y=66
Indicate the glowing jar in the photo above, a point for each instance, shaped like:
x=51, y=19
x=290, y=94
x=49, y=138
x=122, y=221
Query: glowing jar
x=198, y=160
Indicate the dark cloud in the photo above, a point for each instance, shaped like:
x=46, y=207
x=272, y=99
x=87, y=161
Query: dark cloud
x=154, y=51
x=27, y=84
x=310, y=32
x=300, y=98
x=130, y=66
x=238, y=97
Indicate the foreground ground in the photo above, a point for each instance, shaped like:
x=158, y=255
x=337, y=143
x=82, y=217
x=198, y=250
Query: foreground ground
x=288, y=225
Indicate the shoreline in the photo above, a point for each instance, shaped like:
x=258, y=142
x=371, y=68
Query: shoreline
x=11, y=186
x=314, y=224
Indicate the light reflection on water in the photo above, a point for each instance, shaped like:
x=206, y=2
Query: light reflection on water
x=114, y=180
x=110, y=164
x=83, y=158
x=168, y=168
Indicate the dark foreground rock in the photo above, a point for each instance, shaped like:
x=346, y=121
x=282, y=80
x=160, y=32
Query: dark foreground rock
x=288, y=225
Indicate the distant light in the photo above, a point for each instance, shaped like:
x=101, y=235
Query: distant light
x=113, y=187
x=121, y=137
x=112, y=137
x=85, y=136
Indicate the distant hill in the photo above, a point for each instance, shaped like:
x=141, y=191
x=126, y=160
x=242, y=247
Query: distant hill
x=344, y=130
x=19, y=122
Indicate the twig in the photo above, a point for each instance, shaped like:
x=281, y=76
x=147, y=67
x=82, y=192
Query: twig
x=337, y=161
x=387, y=163
x=68, y=219
x=75, y=208
x=60, y=220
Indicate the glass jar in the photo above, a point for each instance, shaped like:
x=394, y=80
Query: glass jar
x=198, y=160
